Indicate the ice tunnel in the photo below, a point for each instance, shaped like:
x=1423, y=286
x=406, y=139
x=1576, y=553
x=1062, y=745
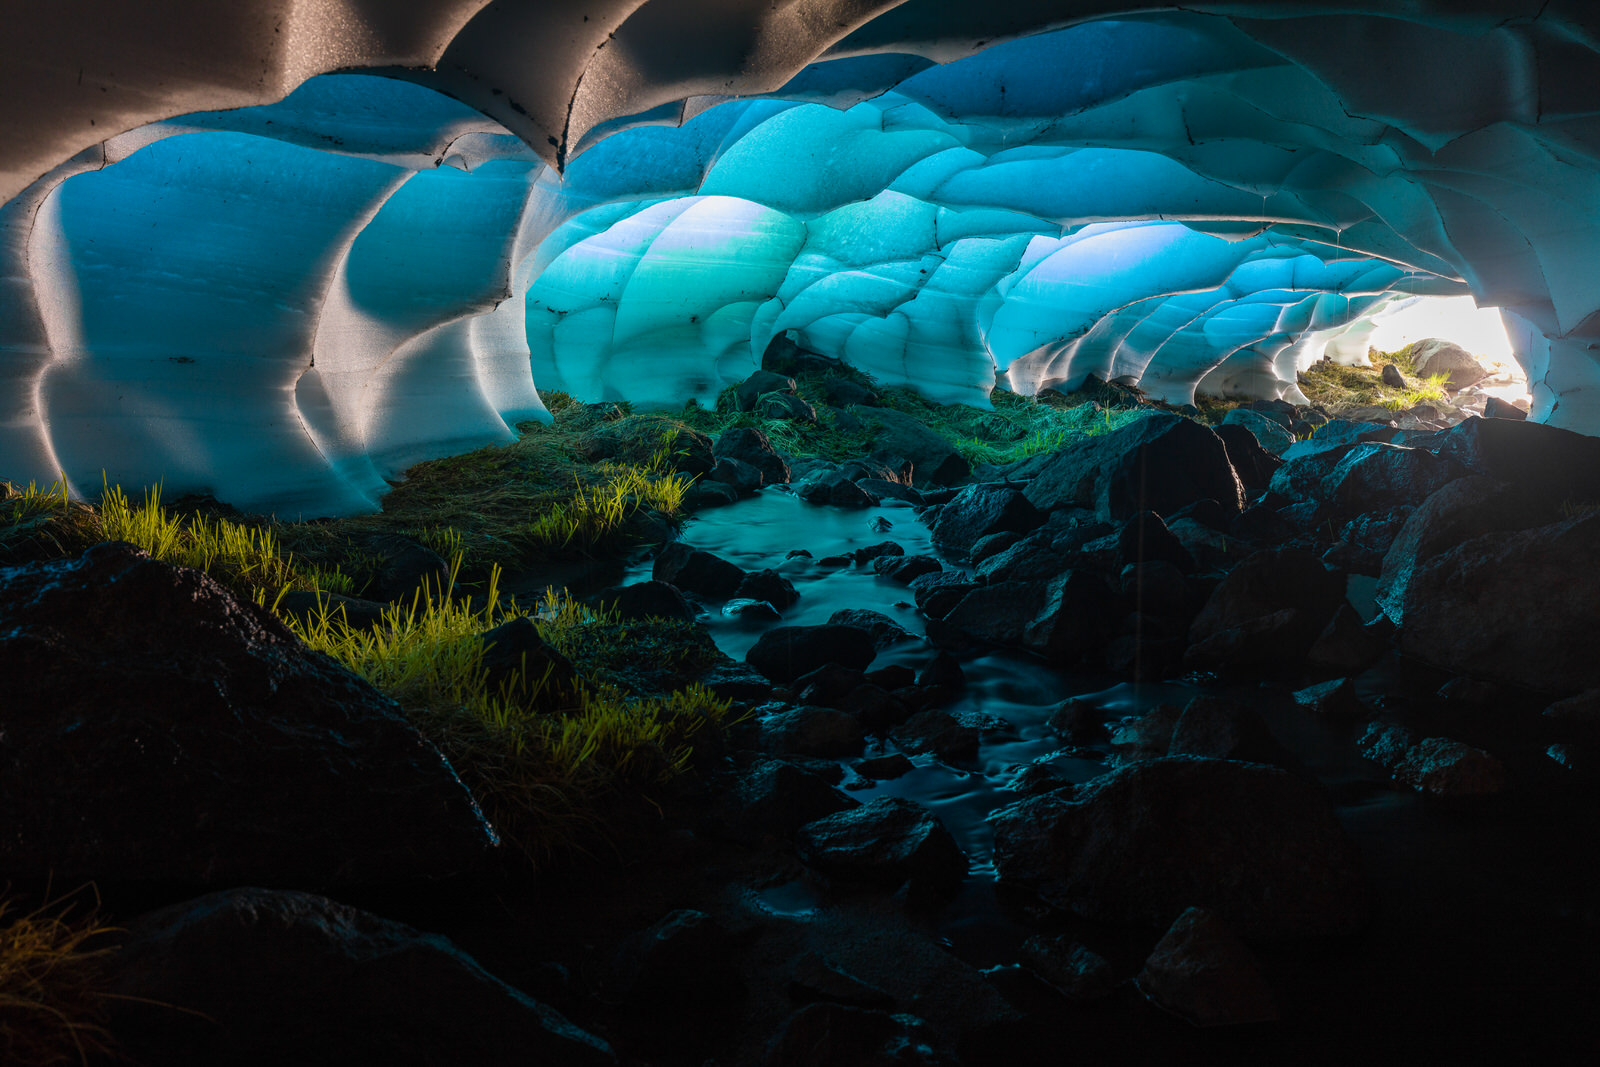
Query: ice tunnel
x=280, y=250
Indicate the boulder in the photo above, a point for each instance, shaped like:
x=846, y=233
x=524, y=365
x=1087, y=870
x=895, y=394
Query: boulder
x=834, y=487
x=652, y=599
x=678, y=978
x=934, y=460
x=940, y=733
x=1392, y=377
x=1373, y=477
x=1550, y=465
x=697, y=571
x=1495, y=408
x=1273, y=435
x=740, y=476
x=777, y=797
x=1437, y=356
x=1331, y=700
x=1267, y=611
x=884, y=631
x=1219, y=728
x=308, y=607
x=1079, y=974
x=830, y=1035
x=980, y=510
x=784, y=653
x=770, y=586
x=1446, y=768
x=1063, y=618
x=407, y=568
x=751, y=446
x=783, y=405
x=1146, y=539
x=259, y=977
x=519, y=663
x=844, y=393
x=811, y=731
x=1200, y=971
x=1253, y=843
x=888, y=842
x=816, y=978
x=747, y=394
x=1254, y=464
x=1158, y=463
x=906, y=569
x=220, y=749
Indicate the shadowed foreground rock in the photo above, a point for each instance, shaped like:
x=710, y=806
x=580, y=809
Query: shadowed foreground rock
x=155, y=727
x=281, y=977
x=1250, y=842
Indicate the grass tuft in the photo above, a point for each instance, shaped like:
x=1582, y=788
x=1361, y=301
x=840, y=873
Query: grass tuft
x=52, y=999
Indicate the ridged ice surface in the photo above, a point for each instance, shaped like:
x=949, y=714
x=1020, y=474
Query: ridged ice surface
x=287, y=304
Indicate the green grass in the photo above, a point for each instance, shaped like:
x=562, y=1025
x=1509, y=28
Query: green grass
x=1339, y=388
x=543, y=778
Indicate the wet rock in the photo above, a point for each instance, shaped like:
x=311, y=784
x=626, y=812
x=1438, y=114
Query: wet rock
x=187, y=707
x=830, y=1035
x=1031, y=559
x=934, y=460
x=844, y=393
x=1472, y=692
x=325, y=984
x=1158, y=463
x=1253, y=464
x=979, y=511
x=877, y=709
x=993, y=545
x=750, y=610
x=741, y=477
x=1254, y=843
x=1158, y=589
x=1202, y=972
x=1220, y=728
x=1077, y=972
x=1035, y=779
x=749, y=392
x=889, y=842
x=940, y=733
x=697, y=571
x=770, y=586
x=1331, y=700
x=1077, y=721
x=881, y=550
x=1385, y=744
x=1274, y=436
x=652, y=599
x=943, y=670
x=308, y=607
x=1374, y=477
x=936, y=593
x=811, y=731
x=523, y=666
x=709, y=494
x=1445, y=768
x=732, y=680
x=894, y=676
x=884, y=768
x=834, y=489
x=777, y=797
x=751, y=446
x=1147, y=736
x=885, y=489
x=1267, y=611
x=1437, y=356
x=828, y=684
x=884, y=631
x=1064, y=618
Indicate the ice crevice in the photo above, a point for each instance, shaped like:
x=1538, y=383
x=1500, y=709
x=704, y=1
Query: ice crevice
x=285, y=288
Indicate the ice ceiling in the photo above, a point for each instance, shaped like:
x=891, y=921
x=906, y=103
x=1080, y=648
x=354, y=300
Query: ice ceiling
x=287, y=302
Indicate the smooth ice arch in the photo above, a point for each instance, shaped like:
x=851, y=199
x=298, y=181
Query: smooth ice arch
x=287, y=303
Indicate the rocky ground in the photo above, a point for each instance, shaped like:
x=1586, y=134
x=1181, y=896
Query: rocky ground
x=1303, y=771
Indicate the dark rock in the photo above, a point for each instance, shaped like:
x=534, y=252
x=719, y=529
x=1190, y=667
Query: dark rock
x=1254, y=843
x=934, y=460
x=884, y=768
x=1067, y=965
x=1033, y=558
x=828, y=684
x=980, y=510
x=678, y=977
x=836, y=1035
x=1445, y=768
x=1547, y=464
x=783, y=356
x=1472, y=692
x=888, y=842
x=816, y=978
x=1219, y=728
x=777, y=797
x=1345, y=646
x=784, y=653
x=940, y=733
x=1517, y=608
x=742, y=477
x=1146, y=539
x=1463, y=510
x=751, y=446
x=187, y=707
x=408, y=568
x=1158, y=589
x=1393, y=378
x=1077, y=721
x=1147, y=736
x=944, y=670
x=750, y=610
x=1331, y=700
x=811, y=731
x=748, y=392
x=1377, y=477
x=644, y=600
x=325, y=984
x=1437, y=356
x=1495, y=408
x=1207, y=513
x=1253, y=463
x=1157, y=463
x=1306, y=468
x=1577, y=716
x=1385, y=744
x=993, y=545
x=936, y=592
x=884, y=631
x=1034, y=780
x=522, y=666
x=1202, y=972
x=308, y=607
x=869, y=553
x=844, y=393
x=835, y=489
x=708, y=494
x=877, y=709
x=1272, y=434
x=889, y=490
x=1064, y=618
x=1365, y=540
x=785, y=406
x=770, y=586
x=894, y=676
x=697, y=571
x=1267, y=611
